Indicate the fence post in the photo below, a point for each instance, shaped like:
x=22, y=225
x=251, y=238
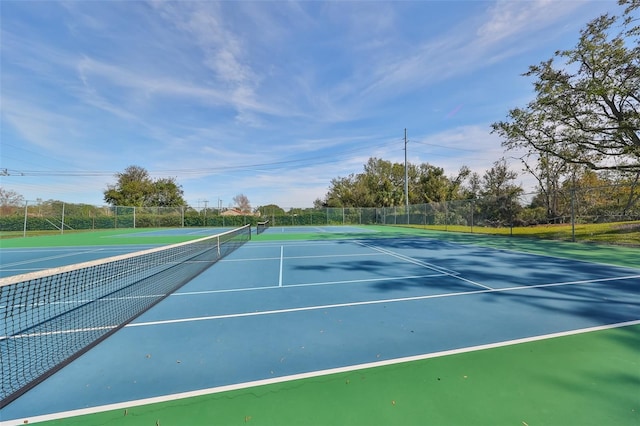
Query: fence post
x=510, y=216
x=573, y=215
x=26, y=214
x=446, y=215
x=473, y=207
x=62, y=221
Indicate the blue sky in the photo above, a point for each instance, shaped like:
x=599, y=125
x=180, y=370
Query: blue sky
x=270, y=99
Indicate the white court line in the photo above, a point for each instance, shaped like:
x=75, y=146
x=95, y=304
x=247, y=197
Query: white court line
x=281, y=263
x=445, y=271
x=308, y=375
x=318, y=284
x=256, y=245
x=322, y=256
x=226, y=290
x=372, y=302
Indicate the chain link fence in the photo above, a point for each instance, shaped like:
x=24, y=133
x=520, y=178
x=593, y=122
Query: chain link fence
x=538, y=213
x=61, y=217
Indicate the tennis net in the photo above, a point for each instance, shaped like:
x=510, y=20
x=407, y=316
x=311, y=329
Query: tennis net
x=262, y=226
x=53, y=316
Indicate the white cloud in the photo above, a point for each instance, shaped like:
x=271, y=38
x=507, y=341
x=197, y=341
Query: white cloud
x=508, y=19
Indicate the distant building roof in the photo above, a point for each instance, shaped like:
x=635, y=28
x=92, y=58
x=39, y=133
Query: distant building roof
x=235, y=212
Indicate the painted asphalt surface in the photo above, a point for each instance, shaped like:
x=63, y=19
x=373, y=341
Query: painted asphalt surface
x=274, y=309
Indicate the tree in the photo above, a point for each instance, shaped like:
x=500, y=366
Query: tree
x=242, y=203
x=587, y=112
x=385, y=181
x=319, y=204
x=341, y=192
x=498, y=181
x=632, y=195
x=381, y=184
x=549, y=172
x=270, y=210
x=473, y=188
x=166, y=193
x=499, y=201
x=9, y=200
x=434, y=186
x=135, y=188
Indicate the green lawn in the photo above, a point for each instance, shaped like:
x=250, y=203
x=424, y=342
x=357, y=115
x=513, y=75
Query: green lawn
x=625, y=233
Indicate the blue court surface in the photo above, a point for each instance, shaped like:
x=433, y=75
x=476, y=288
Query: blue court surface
x=277, y=309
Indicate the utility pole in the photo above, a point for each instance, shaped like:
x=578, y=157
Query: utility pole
x=406, y=178
x=205, y=211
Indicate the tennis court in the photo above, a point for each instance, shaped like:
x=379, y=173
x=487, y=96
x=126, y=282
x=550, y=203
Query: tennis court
x=336, y=324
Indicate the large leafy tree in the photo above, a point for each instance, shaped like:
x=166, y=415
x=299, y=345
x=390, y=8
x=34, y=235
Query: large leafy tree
x=166, y=193
x=499, y=194
x=270, y=209
x=381, y=184
x=135, y=188
x=587, y=107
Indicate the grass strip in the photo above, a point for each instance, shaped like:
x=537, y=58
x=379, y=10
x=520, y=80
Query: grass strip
x=97, y=238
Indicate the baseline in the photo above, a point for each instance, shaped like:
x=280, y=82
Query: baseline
x=313, y=374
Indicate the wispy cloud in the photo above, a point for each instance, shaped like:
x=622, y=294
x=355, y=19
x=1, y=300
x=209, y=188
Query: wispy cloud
x=223, y=51
x=269, y=98
x=38, y=126
x=511, y=19
x=506, y=29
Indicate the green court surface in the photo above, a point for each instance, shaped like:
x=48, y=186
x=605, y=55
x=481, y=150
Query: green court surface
x=585, y=379
x=95, y=238
x=615, y=255
x=588, y=378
